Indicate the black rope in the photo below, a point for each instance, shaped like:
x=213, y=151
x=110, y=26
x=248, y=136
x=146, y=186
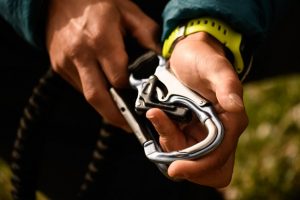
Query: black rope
x=97, y=163
x=28, y=145
x=28, y=142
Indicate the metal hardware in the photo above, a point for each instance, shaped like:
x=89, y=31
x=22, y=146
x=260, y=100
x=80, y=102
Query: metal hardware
x=163, y=90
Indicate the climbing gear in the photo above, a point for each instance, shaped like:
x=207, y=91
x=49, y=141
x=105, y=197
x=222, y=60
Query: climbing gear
x=163, y=90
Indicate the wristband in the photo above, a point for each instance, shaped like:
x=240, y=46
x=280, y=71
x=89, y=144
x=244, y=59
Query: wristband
x=218, y=29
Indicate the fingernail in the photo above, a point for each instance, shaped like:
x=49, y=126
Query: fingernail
x=235, y=99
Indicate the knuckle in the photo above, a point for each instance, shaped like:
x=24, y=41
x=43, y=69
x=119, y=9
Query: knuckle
x=121, y=62
x=92, y=96
x=56, y=68
x=153, y=27
x=59, y=65
x=98, y=40
x=73, y=47
x=119, y=77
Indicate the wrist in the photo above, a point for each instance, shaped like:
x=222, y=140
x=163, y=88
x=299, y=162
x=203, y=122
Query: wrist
x=204, y=38
x=232, y=41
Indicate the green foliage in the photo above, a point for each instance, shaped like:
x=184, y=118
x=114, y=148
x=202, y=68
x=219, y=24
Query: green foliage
x=268, y=156
x=6, y=186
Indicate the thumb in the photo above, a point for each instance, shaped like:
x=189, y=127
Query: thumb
x=230, y=95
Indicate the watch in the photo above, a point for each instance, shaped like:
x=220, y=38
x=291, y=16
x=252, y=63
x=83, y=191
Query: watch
x=222, y=32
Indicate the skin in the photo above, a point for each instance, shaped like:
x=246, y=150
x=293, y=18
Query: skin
x=84, y=38
x=83, y=50
x=213, y=77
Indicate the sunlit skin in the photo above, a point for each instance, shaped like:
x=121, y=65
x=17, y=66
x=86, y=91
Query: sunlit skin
x=84, y=38
x=200, y=63
x=85, y=44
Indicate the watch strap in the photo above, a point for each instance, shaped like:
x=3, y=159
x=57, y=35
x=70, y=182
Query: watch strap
x=218, y=29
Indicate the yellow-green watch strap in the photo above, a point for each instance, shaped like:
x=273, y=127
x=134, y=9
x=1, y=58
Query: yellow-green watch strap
x=221, y=31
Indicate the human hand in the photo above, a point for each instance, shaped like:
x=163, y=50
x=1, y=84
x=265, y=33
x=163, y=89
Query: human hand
x=199, y=62
x=85, y=44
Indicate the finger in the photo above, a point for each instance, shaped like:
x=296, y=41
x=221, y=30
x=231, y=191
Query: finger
x=72, y=77
x=114, y=59
x=234, y=124
x=216, y=77
x=73, y=80
x=213, y=162
x=96, y=93
x=66, y=69
x=216, y=159
x=195, y=130
x=170, y=137
x=136, y=21
x=229, y=93
x=212, y=177
x=224, y=82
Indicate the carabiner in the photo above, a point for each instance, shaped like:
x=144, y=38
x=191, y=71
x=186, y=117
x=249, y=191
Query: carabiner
x=170, y=92
x=163, y=90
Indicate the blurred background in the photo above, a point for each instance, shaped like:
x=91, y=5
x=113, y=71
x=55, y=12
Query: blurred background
x=268, y=155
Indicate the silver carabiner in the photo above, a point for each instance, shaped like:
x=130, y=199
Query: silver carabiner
x=178, y=94
x=176, y=99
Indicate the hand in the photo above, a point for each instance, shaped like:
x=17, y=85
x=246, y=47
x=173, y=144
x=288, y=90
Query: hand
x=85, y=44
x=199, y=62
